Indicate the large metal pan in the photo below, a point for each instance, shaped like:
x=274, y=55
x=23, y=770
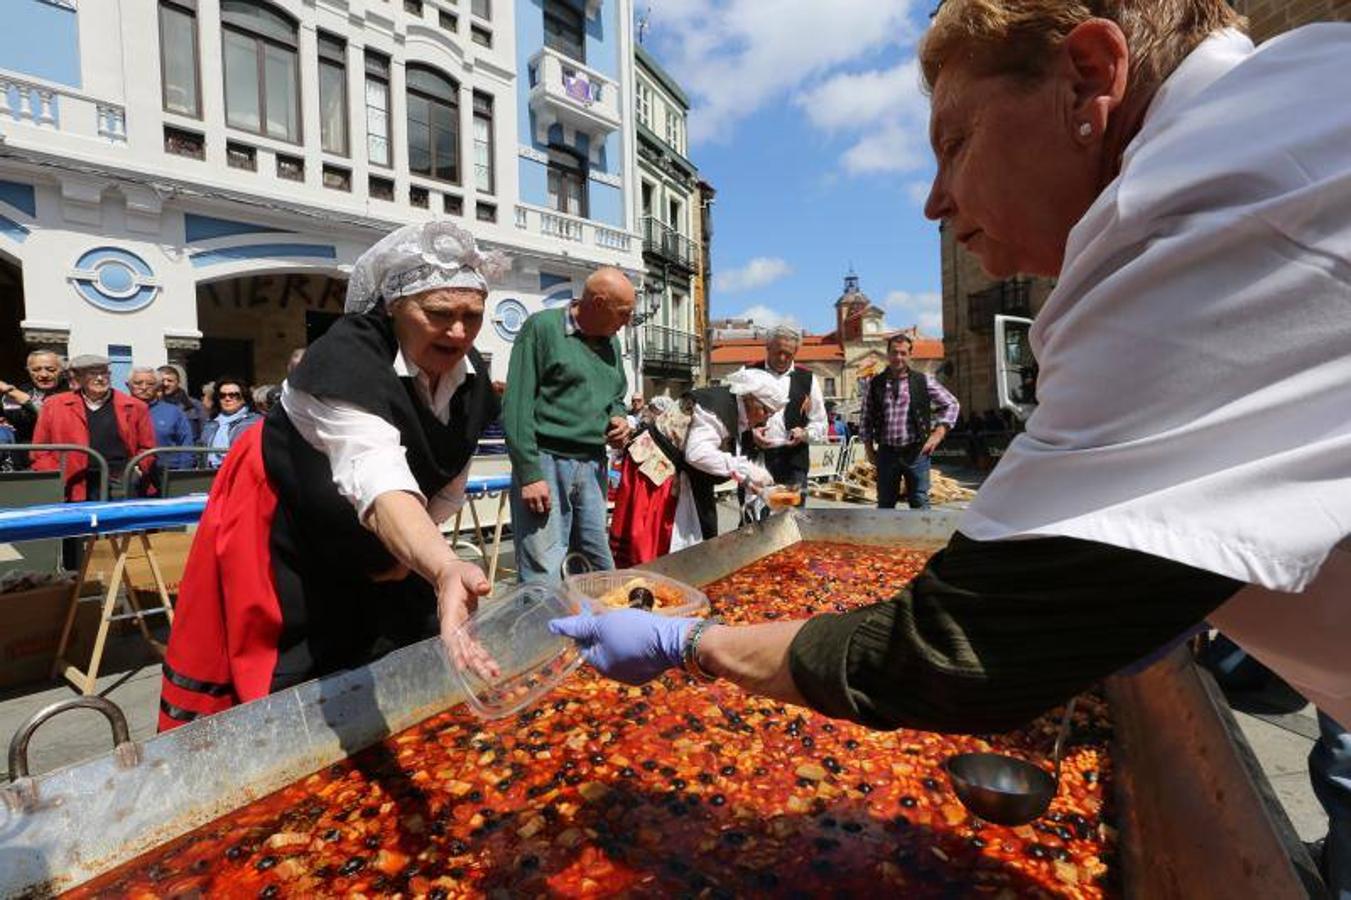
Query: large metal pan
x=1197, y=817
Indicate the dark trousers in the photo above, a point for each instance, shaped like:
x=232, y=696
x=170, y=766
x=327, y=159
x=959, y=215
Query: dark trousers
x=895, y=464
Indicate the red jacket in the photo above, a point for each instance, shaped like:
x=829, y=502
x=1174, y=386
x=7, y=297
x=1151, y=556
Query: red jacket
x=63, y=421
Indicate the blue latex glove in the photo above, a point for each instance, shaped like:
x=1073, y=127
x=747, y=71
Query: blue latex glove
x=629, y=645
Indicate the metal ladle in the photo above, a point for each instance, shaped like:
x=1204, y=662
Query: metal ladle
x=1005, y=790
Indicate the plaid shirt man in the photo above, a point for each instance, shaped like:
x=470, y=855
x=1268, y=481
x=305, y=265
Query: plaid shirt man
x=896, y=405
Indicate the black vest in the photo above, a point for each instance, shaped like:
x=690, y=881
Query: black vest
x=721, y=403
x=789, y=464
x=919, y=414
x=323, y=557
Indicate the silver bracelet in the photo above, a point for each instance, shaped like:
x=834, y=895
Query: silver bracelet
x=689, y=653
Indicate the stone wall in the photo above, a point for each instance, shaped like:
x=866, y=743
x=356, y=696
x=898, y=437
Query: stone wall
x=1267, y=18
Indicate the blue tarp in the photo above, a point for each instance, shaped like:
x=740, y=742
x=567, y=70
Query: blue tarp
x=60, y=520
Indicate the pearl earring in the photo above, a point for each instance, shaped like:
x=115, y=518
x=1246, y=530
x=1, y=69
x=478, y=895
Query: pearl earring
x=1085, y=129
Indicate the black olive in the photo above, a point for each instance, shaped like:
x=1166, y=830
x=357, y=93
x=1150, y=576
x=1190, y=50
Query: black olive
x=474, y=796
x=668, y=771
x=649, y=765
x=827, y=727
x=832, y=765
x=627, y=772
x=852, y=827
x=931, y=783
x=438, y=893
x=353, y=865
x=978, y=843
x=269, y=892
x=851, y=744
x=704, y=778
x=266, y=863
x=457, y=847
x=679, y=784
x=717, y=799
x=909, y=802
x=865, y=788
x=456, y=872
x=642, y=598
x=728, y=771
x=808, y=742
x=1037, y=851
x=234, y=852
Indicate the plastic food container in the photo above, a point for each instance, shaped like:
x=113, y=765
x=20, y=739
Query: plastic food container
x=782, y=496
x=611, y=590
x=514, y=630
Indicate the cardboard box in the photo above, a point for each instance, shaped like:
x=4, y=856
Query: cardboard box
x=30, y=631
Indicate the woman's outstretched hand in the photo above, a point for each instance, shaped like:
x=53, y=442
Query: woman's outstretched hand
x=628, y=645
x=458, y=588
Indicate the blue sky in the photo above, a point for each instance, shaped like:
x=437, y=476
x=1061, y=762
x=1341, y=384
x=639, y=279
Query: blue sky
x=809, y=121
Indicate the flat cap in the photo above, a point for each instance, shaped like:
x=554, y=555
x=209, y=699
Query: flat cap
x=89, y=361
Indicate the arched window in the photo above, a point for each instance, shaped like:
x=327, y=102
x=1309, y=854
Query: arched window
x=262, y=73
x=433, y=124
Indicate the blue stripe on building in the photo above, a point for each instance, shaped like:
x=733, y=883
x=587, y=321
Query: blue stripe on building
x=205, y=228
x=20, y=196
x=13, y=230
x=263, y=251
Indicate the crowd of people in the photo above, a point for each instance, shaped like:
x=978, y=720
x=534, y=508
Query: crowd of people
x=75, y=402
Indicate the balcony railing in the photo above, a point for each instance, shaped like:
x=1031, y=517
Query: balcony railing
x=563, y=91
x=1011, y=297
x=672, y=246
x=50, y=106
x=572, y=229
x=669, y=348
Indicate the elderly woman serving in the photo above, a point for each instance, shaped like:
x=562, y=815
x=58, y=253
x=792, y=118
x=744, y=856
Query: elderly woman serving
x=1191, y=457
x=319, y=549
x=681, y=453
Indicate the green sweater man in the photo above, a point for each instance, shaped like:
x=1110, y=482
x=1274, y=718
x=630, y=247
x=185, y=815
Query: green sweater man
x=564, y=402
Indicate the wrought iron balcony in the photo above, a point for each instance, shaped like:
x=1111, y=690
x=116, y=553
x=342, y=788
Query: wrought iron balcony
x=663, y=241
x=669, y=350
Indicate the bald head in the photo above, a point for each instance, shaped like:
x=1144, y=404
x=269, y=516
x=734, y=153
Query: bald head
x=607, y=303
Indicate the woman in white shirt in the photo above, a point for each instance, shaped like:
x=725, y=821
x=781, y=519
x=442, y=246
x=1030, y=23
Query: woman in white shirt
x=320, y=548
x=1190, y=458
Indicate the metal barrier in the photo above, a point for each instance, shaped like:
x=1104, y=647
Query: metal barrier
x=94, y=456
x=134, y=462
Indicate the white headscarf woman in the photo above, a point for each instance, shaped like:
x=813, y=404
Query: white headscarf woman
x=319, y=548
x=711, y=446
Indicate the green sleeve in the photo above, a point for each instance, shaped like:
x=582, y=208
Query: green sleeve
x=518, y=408
x=618, y=405
x=993, y=633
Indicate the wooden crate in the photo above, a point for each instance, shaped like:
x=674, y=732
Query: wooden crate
x=30, y=630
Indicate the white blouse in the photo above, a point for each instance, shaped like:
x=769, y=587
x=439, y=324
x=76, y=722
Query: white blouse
x=1195, y=355
x=365, y=452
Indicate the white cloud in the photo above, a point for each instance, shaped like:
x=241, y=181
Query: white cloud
x=850, y=99
x=885, y=108
x=924, y=309
x=761, y=271
x=734, y=56
x=919, y=191
x=765, y=317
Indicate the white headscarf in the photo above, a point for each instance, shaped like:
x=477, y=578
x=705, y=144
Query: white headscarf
x=418, y=258
x=761, y=385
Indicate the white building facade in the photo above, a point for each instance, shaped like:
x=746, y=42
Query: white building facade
x=668, y=201
x=191, y=180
